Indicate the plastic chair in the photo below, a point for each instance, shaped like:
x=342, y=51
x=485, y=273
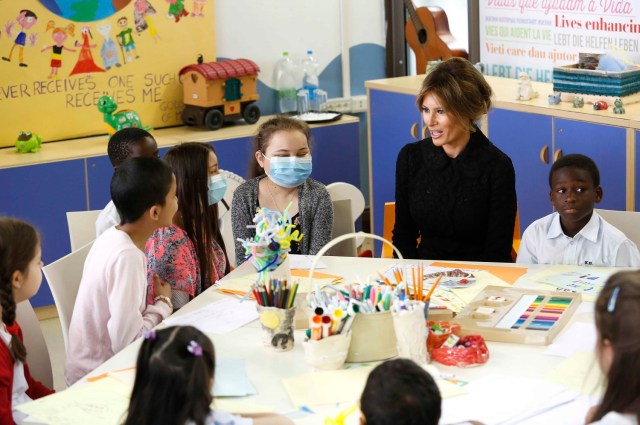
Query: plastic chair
x=82, y=227
x=628, y=222
x=224, y=214
x=341, y=190
x=37, y=352
x=63, y=277
x=343, y=225
x=389, y=220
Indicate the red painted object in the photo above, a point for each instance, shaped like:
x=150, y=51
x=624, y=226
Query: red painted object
x=600, y=105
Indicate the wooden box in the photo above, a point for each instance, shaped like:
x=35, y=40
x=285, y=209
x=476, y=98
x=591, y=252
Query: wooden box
x=526, y=316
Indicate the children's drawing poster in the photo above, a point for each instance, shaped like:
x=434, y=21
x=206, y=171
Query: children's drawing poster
x=584, y=281
x=59, y=57
x=533, y=36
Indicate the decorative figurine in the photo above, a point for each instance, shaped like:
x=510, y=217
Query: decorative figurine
x=554, y=99
x=115, y=121
x=600, y=105
x=578, y=102
x=525, y=89
x=28, y=142
x=618, y=109
x=215, y=92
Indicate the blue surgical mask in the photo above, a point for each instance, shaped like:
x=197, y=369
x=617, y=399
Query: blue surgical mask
x=217, y=188
x=289, y=171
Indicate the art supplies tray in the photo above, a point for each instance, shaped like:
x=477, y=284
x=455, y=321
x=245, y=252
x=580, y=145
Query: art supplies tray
x=526, y=316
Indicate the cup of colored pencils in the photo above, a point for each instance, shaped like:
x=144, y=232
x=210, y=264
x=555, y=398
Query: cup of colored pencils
x=275, y=300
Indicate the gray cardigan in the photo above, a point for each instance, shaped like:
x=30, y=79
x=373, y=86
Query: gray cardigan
x=316, y=215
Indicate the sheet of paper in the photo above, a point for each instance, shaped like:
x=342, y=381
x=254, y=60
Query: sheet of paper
x=220, y=317
x=98, y=403
x=304, y=262
x=584, y=280
x=327, y=387
x=507, y=274
x=497, y=399
x=455, y=299
x=580, y=336
x=579, y=372
x=231, y=379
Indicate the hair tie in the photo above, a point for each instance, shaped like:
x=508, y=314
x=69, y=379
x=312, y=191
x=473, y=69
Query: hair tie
x=194, y=348
x=611, y=306
x=150, y=335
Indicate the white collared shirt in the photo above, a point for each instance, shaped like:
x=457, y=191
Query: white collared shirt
x=597, y=244
x=108, y=218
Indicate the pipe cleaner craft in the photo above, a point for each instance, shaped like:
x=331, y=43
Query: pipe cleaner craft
x=272, y=242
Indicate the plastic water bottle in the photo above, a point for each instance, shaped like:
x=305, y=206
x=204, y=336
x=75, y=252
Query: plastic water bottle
x=310, y=79
x=285, y=77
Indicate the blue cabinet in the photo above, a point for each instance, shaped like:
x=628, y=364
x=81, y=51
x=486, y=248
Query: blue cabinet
x=606, y=145
x=42, y=194
x=527, y=140
x=534, y=142
x=394, y=122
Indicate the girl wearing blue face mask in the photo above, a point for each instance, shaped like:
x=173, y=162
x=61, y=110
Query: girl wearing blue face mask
x=190, y=254
x=283, y=166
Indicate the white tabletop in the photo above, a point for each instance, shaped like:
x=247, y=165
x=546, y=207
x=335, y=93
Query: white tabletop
x=266, y=369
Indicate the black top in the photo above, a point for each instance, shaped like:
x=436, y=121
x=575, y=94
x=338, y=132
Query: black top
x=462, y=208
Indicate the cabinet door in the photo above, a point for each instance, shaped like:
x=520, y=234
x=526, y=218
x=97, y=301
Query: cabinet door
x=336, y=154
x=526, y=138
x=392, y=117
x=41, y=195
x=606, y=145
x=234, y=155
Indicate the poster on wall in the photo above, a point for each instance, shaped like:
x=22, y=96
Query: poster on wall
x=534, y=36
x=58, y=58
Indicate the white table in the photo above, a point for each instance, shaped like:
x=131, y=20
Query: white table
x=266, y=369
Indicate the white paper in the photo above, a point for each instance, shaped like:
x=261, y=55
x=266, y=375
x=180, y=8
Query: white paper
x=220, y=317
x=499, y=399
x=579, y=337
x=304, y=262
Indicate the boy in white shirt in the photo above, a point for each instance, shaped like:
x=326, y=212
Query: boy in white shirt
x=111, y=308
x=575, y=234
x=124, y=144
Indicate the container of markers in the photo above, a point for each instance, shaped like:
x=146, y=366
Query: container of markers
x=327, y=353
x=411, y=332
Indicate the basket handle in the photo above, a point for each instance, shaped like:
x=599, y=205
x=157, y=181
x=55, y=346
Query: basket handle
x=344, y=237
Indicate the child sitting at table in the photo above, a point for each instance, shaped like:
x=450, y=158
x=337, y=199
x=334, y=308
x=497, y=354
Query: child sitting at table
x=111, y=308
x=20, y=278
x=400, y=392
x=174, y=381
x=617, y=314
x=124, y=144
x=575, y=234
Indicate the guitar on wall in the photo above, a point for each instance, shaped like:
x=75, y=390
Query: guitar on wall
x=420, y=32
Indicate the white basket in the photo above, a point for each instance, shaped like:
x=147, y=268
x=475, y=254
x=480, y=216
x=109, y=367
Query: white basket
x=373, y=336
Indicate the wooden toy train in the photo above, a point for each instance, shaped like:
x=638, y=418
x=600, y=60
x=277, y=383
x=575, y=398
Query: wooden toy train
x=215, y=92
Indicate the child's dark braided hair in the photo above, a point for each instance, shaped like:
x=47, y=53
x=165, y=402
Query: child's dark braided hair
x=18, y=244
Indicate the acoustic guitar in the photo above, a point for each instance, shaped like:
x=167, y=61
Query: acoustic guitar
x=420, y=32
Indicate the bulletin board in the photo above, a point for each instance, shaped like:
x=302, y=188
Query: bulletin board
x=58, y=57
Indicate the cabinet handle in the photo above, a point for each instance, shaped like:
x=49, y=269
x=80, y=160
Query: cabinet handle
x=544, y=154
x=557, y=155
x=414, y=130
